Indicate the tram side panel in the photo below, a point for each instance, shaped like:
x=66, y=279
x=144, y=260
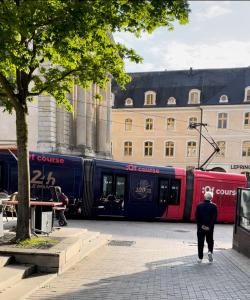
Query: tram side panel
x=141, y=202
x=46, y=170
x=224, y=188
x=121, y=191
x=8, y=173
x=137, y=191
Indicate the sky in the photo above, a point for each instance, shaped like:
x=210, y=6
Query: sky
x=217, y=36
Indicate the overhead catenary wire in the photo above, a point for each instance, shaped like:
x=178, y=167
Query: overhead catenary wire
x=142, y=126
x=148, y=114
x=42, y=109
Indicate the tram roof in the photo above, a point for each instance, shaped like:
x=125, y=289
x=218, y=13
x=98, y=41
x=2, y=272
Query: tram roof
x=220, y=175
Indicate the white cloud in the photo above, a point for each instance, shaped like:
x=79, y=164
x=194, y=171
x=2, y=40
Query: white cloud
x=178, y=55
x=144, y=67
x=129, y=39
x=212, y=12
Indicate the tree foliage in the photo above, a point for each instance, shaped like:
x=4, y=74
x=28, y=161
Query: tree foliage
x=56, y=43
x=46, y=46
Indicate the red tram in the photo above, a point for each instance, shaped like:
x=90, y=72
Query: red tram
x=132, y=191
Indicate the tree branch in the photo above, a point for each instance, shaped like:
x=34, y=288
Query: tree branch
x=6, y=85
x=53, y=81
x=32, y=69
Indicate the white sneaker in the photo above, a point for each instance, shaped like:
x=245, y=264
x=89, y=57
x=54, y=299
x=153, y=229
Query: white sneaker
x=210, y=256
x=199, y=260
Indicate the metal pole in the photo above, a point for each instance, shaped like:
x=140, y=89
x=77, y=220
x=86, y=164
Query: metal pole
x=199, y=155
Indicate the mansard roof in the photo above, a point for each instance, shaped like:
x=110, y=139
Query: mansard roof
x=213, y=83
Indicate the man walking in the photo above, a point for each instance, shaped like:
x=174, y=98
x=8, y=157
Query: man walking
x=206, y=216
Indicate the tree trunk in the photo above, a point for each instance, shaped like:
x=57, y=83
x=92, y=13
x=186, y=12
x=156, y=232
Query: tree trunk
x=23, y=215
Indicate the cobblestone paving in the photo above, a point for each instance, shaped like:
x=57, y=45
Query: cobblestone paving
x=160, y=264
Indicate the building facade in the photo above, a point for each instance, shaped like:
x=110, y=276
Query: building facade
x=151, y=119
x=85, y=132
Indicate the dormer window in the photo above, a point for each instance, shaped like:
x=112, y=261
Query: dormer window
x=223, y=99
x=171, y=101
x=247, y=94
x=194, y=97
x=128, y=102
x=150, y=97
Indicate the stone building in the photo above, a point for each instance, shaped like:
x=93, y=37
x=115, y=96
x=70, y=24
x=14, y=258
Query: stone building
x=85, y=132
x=151, y=119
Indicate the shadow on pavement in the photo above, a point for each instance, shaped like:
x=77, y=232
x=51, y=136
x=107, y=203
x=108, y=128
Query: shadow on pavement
x=172, y=279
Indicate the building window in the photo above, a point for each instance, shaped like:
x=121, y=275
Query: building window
x=194, y=97
x=192, y=120
x=222, y=120
x=169, y=149
x=170, y=123
x=191, y=149
x=247, y=120
x=246, y=149
x=150, y=98
x=222, y=146
x=129, y=102
x=171, y=101
x=247, y=94
x=127, y=148
x=128, y=124
x=149, y=124
x=148, y=148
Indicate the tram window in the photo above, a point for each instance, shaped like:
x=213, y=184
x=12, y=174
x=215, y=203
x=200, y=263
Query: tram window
x=120, y=187
x=13, y=179
x=163, y=195
x=174, y=193
x=107, y=184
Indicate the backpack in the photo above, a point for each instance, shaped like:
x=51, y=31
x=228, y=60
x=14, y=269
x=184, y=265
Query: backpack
x=64, y=199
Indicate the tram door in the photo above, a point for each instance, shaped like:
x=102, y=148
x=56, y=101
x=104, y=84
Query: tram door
x=112, y=200
x=168, y=203
x=162, y=199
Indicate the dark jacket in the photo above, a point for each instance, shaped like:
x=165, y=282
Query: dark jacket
x=64, y=199
x=206, y=214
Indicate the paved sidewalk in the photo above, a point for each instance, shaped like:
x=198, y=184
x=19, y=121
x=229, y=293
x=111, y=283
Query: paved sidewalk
x=159, y=263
